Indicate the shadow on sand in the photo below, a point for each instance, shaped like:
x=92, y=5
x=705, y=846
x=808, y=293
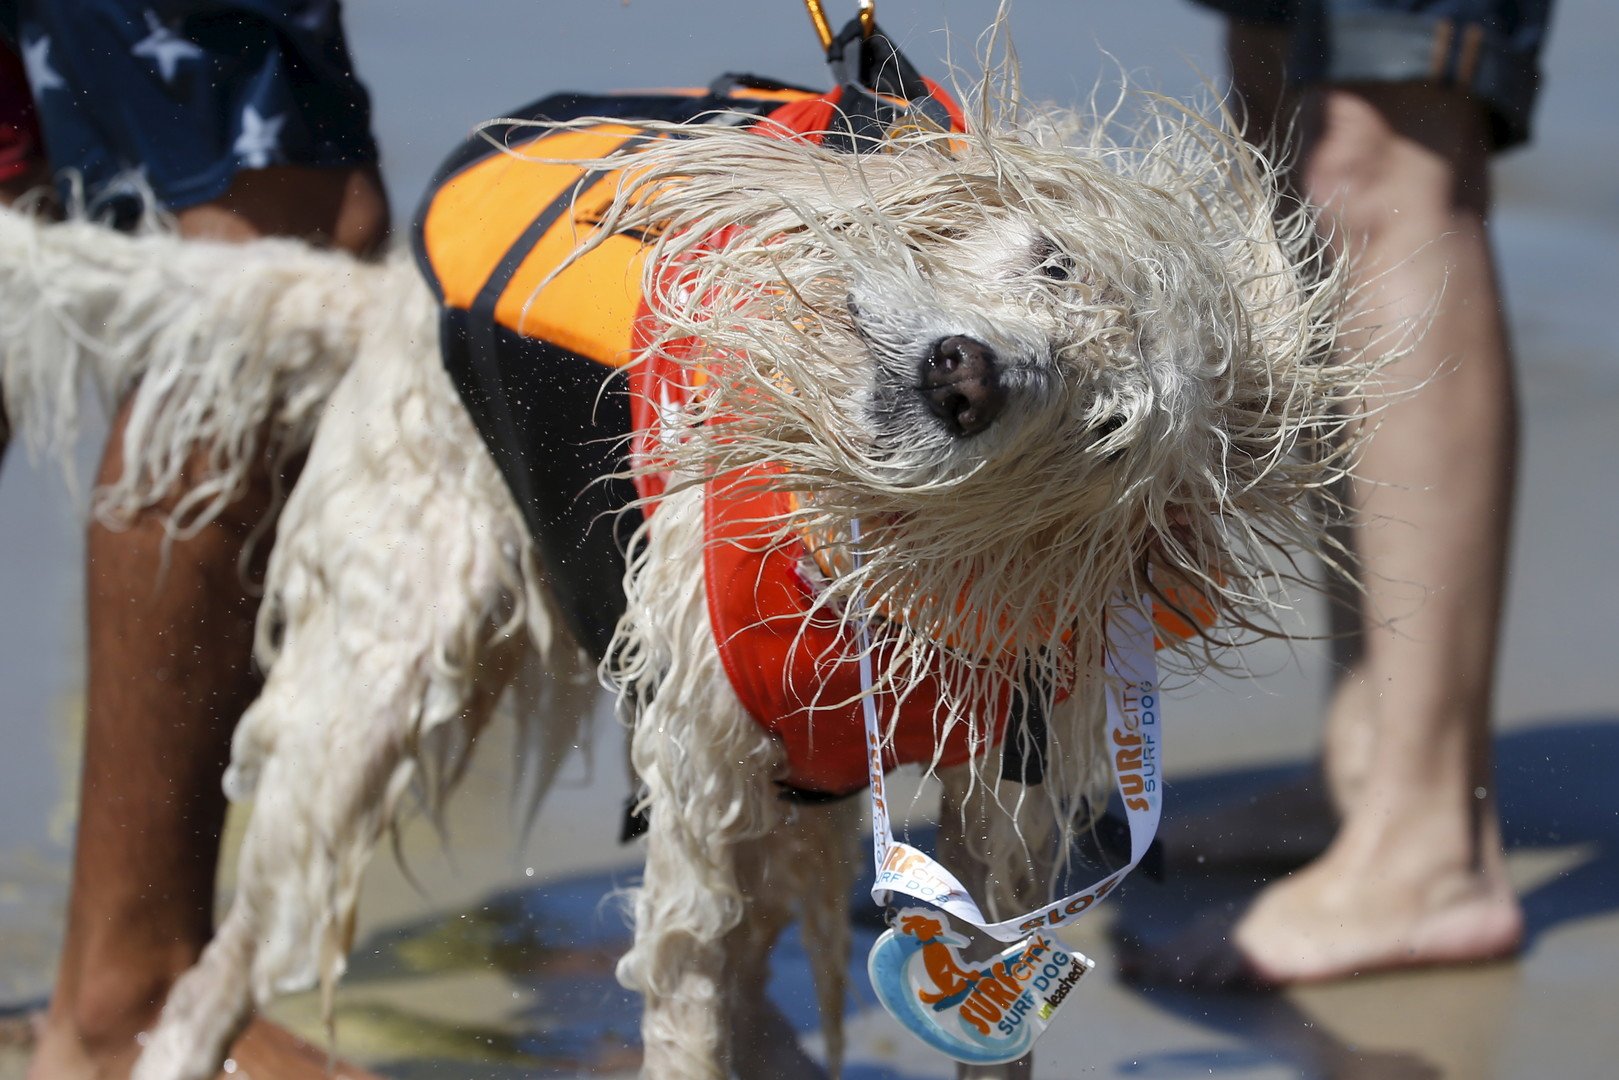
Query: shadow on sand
x=556, y=947
x=1555, y=787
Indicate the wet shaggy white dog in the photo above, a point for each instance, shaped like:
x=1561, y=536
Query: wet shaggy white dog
x=1041, y=365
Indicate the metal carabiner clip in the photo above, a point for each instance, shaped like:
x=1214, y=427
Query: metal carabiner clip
x=823, y=29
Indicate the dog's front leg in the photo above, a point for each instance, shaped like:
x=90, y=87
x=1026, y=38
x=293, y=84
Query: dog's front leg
x=711, y=1016
x=678, y=960
x=703, y=934
x=708, y=769
x=1000, y=840
x=698, y=926
x=806, y=868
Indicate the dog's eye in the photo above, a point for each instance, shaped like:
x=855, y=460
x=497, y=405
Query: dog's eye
x=1055, y=264
x=1106, y=428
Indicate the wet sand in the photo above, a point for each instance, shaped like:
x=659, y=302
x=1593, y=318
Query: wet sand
x=500, y=963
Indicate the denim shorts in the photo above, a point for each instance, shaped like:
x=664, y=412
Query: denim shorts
x=1489, y=48
x=178, y=95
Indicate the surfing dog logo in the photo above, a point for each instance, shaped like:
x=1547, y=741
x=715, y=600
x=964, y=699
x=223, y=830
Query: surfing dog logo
x=980, y=1012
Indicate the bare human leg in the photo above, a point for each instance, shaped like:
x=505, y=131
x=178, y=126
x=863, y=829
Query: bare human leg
x=1416, y=874
x=169, y=673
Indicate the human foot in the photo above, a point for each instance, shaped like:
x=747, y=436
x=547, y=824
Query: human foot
x=1348, y=914
x=1358, y=909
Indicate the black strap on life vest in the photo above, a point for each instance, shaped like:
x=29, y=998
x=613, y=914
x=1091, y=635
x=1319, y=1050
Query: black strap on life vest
x=880, y=89
x=555, y=434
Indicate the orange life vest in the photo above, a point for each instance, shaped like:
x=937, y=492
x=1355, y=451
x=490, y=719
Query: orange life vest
x=532, y=368
x=536, y=372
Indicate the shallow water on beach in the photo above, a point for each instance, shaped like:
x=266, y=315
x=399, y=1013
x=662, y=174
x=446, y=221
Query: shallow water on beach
x=491, y=970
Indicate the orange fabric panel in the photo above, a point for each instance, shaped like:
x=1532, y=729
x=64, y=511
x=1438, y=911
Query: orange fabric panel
x=1187, y=614
x=734, y=93
x=799, y=675
x=589, y=307
x=478, y=214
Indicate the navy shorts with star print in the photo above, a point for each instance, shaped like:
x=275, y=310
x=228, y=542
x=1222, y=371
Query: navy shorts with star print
x=178, y=95
x=1489, y=48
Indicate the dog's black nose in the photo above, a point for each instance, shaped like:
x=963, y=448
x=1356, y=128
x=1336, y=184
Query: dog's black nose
x=961, y=383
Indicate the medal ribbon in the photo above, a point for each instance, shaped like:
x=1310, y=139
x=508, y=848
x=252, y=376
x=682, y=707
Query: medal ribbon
x=1133, y=742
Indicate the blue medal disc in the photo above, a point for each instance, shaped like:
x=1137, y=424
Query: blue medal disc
x=979, y=1012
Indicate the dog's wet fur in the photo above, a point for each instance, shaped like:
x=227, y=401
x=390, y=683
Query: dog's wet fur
x=1045, y=364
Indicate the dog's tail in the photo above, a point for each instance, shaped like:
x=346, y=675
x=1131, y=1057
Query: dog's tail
x=228, y=351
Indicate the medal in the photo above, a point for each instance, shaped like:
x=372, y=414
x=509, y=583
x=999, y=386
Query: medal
x=991, y=1011
x=981, y=1012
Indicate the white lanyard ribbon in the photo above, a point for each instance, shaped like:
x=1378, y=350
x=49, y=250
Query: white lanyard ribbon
x=1133, y=741
x=992, y=1011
